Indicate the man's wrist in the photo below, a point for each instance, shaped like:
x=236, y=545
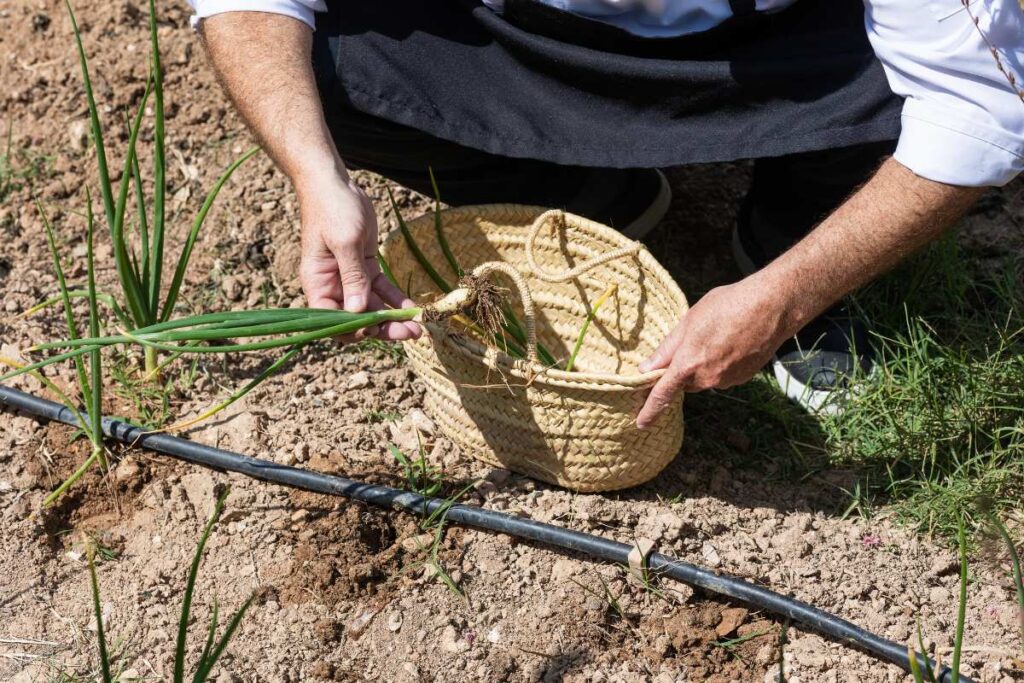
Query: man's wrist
x=318, y=179
x=786, y=304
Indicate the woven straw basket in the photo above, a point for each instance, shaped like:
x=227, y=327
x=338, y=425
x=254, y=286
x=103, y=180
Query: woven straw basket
x=575, y=429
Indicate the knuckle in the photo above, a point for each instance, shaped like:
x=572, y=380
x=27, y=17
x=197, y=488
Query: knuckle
x=353, y=277
x=345, y=239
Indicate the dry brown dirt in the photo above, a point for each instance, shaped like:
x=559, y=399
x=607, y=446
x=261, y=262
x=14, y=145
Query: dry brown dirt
x=319, y=564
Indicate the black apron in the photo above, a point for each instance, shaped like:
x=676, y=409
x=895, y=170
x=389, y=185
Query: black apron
x=540, y=83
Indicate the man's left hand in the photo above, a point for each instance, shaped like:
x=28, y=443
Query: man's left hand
x=724, y=340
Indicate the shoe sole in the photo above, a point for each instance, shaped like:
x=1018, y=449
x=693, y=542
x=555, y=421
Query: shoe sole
x=643, y=224
x=814, y=401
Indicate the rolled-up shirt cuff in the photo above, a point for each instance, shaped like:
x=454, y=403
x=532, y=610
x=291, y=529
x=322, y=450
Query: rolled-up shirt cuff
x=942, y=144
x=288, y=8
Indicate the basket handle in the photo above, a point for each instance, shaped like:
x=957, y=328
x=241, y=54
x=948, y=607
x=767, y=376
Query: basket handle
x=485, y=269
x=556, y=218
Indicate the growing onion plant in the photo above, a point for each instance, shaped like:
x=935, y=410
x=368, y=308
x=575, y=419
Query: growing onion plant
x=146, y=297
x=212, y=649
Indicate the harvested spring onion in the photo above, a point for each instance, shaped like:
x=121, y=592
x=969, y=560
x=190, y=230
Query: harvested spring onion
x=278, y=327
x=510, y=337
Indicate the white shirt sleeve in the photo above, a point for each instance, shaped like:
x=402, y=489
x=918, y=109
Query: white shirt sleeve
x=963, y=123
x=303, y=10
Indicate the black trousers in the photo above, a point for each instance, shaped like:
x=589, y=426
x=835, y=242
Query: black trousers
x=791, y=193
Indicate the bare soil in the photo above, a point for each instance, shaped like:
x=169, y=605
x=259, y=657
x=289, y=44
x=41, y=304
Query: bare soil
x=319, y=565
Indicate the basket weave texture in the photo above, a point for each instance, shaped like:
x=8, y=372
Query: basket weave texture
x=575, y=429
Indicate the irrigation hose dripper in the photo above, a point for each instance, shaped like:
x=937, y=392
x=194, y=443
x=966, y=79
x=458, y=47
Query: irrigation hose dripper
x=810, y=617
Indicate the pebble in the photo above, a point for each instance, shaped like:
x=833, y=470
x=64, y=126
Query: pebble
x=231, y=287
x=416, y=543
x=710, y=555
x=732, y=618
x=359, y=380
x=418, y=419
x=78, y=134
x=450, y=641
x=127, y=470
x=394, y=621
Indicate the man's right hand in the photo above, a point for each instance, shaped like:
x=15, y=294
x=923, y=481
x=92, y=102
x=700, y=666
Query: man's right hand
x=263, y=61
x=339, y=266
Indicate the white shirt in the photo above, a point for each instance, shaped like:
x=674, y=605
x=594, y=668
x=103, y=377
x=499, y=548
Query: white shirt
x=962, y=123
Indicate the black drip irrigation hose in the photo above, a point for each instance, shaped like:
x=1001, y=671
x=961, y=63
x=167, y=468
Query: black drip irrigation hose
x=386, y=497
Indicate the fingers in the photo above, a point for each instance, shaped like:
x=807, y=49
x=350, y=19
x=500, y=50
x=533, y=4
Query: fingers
x=679, y=374
x=386, y=293
x=398, y=330
x=319, y=279
x=663, y=394
x=390, y=294
x=355, y=283
x=662, y=357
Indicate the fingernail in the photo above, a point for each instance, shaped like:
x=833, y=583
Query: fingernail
x=355, y=303
x=645, y=366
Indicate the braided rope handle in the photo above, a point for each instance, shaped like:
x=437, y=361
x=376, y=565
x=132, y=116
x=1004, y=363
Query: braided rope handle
x=556, y=218
x=552, y=217
x=529, y=311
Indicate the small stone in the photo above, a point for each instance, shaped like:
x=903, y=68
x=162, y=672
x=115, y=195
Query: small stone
x=394, y=621
x=732, y=619
x=299, y=515
x=939, y=596
x=232, y=288
x=450, y=641
x=710, y=555
x=78, y=135
x=494, y=635
x=359, y=380
x=765, y=654
x=418, y=419
x=127, y=470
x=416, y=543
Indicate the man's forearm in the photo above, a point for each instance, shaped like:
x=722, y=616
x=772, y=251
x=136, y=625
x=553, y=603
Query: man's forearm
x=263, y=62
x=891, y=217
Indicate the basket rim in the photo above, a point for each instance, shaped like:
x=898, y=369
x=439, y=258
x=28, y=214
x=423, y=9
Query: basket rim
x=533, y=371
